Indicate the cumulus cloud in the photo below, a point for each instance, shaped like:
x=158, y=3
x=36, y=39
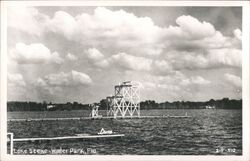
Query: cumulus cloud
x=97, y=58
x=43, y=88
x=71, y=57
x=73, y=78
x=192, y=28
x=17, y=87
x=191, y=35
x=102, y=63
x=34, y=54
x=162, y=67
x=237, y=34
x=175, y=81
x=225, y=57
x=177, y=86
x=56, y=84
x=139, y=35
x=119, y=24
x=94, y=54
x=187, y=60
x=26, y=19
x=233, y=79
x=63, y=23
x=200, y=59
x=131, y=62
x=16, y=80
x=193, y=80
x=199, y=80
x=122, y=30
x=118, y=40
x=156, y=86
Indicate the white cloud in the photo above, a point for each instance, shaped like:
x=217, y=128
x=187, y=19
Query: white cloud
x=187, y=60
x=201, y=59
x=192, y=28
x=59, y=83
x=80, y=78
x=41, y=83
x=102, y=63
x=225, y=57
x=154, y=86
x=26, y=19
x=97, y=58
x=191, y=34
x=175, y=81
x=16, y=80
x=114, y=24
x=63, y=23
x=17, y=87
x=199, y=80
x=148, y=85
x=177, y=86
x=125, y=31
x=120, y=43
x=193, y=80
x=73, y=78
x=71, y=57
x=131, y=62
x=216, y=41
x=115, y=28
x=233, y=79
x=94, y=54
x=237, y=34
x=34, y=54
x=162, y=67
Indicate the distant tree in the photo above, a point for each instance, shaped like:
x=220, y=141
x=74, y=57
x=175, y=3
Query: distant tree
x=103, y=104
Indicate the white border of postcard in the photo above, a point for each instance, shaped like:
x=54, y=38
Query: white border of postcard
x=245, y=80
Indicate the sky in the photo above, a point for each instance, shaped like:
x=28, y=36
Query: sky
x=78, y=53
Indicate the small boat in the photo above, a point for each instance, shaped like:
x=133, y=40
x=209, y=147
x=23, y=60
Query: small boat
x=103, y=132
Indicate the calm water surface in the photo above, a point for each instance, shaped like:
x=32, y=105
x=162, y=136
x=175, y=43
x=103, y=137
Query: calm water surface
x=207, y=132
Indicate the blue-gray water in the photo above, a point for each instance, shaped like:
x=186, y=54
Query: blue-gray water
x=207, y=132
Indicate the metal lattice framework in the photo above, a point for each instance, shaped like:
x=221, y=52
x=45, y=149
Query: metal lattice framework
x=126, y=101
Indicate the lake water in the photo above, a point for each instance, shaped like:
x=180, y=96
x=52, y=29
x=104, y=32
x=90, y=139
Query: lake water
x=207, y=132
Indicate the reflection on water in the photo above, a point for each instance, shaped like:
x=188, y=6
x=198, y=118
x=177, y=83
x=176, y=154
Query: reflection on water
x=205, y=133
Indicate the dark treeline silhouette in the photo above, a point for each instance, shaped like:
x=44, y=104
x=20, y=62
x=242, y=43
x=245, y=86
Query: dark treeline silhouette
x=36, y=106
x=224, y=103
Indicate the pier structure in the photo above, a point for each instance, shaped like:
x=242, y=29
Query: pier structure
x=126, y=100
x=94, y=111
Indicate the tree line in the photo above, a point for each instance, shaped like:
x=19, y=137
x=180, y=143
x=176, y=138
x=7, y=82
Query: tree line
x=224, y=103
x=46, y=106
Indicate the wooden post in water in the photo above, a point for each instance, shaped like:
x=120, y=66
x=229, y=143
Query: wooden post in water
x=10, y=139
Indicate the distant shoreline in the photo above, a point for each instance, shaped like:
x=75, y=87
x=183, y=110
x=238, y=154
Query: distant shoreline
x=224, y=103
